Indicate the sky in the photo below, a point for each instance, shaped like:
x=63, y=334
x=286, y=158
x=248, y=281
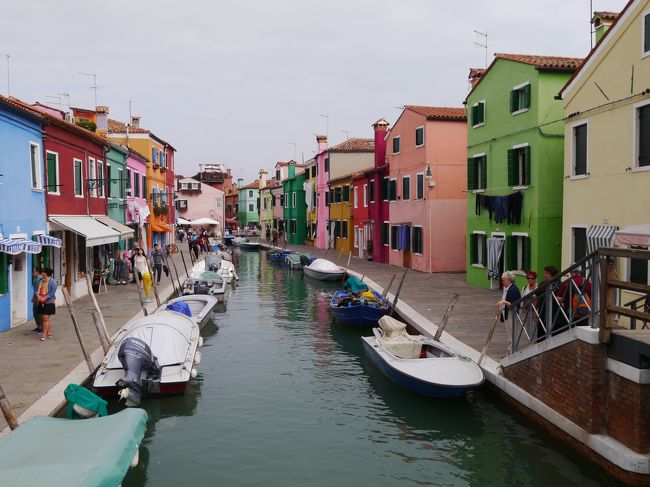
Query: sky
x=250, y=83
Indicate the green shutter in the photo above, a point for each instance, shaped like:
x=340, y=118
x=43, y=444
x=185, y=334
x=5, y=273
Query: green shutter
x=513, y=101
x=52, y=183
x=483, y=162
x=475, y=115
x=511, y=257
x=473, y=248
x=484, y=250
x=526, y=244
x=4, y=273
x=481, y=112
x=471, y=174
x=512, y=168
x=527, y=169
x=527, y=96
x=646, y=33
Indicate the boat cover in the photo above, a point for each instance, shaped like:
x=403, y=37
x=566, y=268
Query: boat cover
x=324, y=265
x=355, y=285
x=168, y=335
x=396, y=340
x=93, y=452
x=79, y=395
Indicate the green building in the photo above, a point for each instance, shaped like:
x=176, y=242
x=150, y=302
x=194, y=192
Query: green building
x=295, y=207
x=249, y=201
x=515, y=167
x=117, y=175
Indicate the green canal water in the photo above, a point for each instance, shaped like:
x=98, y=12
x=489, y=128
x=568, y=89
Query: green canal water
x=285, y=397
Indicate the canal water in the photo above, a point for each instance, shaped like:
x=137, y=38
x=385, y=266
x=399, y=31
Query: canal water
x=286, y=397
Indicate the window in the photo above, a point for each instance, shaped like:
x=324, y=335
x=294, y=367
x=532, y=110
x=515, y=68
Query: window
x=219, y=203
x=392, y=190
x=416, y=246
x=327, y=164
x=371, y=190
x=154, y=156
x=277, y=175
x=346, y=193
x=520, y=98
x=519, y=166
x=4, y=273
x=518, y=252
x=286, y=200
x=81, y=253
x=579, y=247
x=78, y=178
x=52, y=170
x=100, y=176
x=396, y=145
x=154, y=197
x=643, y=133
x=344, y=228
x=580, y=150
x=477, y=172
x=337, y=194
x=393, y=236
x=384, y=233
x=35, y=161
x=282, y=200
x=144, y=193
x=639, y=269
x=136, y=185
x=128, y=182
x=292, y=227
x=419, y=137
x=646, y=33
x=120, y=185
x=478, y=249
x=419, y=190
x=251, y=206
x=181, y=204
x=406, y=188
x=293, y=199
x=478, y=114
x=355, y=197
x=92, y=176
x=365, y=195
x=385, y=183
x=250, y=193
x=337, y=228
x=195, y=185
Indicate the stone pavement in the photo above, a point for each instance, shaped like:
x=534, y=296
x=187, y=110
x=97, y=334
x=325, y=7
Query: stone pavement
x=29, y=368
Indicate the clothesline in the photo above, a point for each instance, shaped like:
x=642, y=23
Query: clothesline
x=502, y=208
x=502, y=188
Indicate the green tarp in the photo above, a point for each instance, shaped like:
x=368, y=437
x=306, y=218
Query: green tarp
x=354, y=285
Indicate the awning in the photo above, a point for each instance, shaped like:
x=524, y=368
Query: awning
x=599, y=236
x=633, y=236
x=125, y=231
x=158, y=228
x=49, y=240
x=182, y=221
x=204, y=221
x=15, y=247
x=94, y=232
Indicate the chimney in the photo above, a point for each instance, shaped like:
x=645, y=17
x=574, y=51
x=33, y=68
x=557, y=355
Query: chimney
x=381, y=127
x=228, y=172
x=602, y=21
x=322, y=142
x=240, y=183
x=263, y=174
x=292, y=169
x=475, y=75
x=101, y=114
x=135, y=122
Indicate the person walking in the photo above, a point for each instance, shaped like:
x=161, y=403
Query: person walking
x=140, y=264
x=157, y=258
x=47, y=301
x=36, y=282
x=510, y=295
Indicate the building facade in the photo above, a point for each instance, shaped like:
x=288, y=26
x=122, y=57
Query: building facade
x=137, y=208
x=295, y=209
x=197, y=200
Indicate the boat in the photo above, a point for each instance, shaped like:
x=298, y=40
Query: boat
x=278, y=255
x=199, y=307
x=420, y=364
x=151, y=355
x=324, y=270
x=227, y=271
x=294, y=261
x=237, y=240
x=204, y=281
x=93, y=452
x=249, y=245
x=358, y=310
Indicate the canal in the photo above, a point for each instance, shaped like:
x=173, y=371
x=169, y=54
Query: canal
x=285, y=397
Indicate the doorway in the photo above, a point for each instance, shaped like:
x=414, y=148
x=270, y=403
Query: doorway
x=361, y=241
x=19, y=273
x=405, y=242
x=495, y=262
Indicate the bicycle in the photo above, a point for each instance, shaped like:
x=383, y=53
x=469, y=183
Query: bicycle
x=170, y=249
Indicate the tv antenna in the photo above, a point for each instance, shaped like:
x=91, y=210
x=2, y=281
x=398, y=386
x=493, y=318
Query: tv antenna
x=94, y=86
x=347, y=134
x=67, y=98
x=294, y=150
x=327, y=123
x=56, y=99
x=484, y=45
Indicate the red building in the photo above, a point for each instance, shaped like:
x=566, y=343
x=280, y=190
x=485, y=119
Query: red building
x=170, y=184
x=232, y=205
x=375, y=224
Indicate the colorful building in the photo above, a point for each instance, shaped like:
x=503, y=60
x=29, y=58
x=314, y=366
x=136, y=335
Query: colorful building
x=311, y=191
x=425, y=189
x=215, y=175
x=322, y=193
x=515, y=167
x=22, y=210
x=606, y=173
x=295, y=209
x=266, y=206
x=249, y=197
x=137, y=208
x=117, y=186
x=232, y=206
x=197, y=200
x=340, y=217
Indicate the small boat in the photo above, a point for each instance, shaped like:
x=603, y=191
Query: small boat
x=249, y=245
x=237, y=240
x=358, y=310
x=202, y=280
x=227, y=272
x=294, y=261
x=420, y=364
x=278, y=255
x=93, y=452
x=151, y=355
x=324, y=270
x=198, y=305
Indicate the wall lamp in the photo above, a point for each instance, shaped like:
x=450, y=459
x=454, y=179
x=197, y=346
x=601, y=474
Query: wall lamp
x=428, y=174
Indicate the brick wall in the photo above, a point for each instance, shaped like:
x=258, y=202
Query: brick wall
x=628, y=418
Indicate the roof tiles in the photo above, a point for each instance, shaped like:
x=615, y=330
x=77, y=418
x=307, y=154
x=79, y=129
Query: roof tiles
x=354, y=145
x=439, y=113
x=544, y=62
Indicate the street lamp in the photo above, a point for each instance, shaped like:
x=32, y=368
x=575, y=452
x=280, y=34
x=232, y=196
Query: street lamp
x=428, y=174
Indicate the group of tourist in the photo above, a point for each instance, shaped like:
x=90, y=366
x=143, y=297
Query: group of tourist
x=43, y=300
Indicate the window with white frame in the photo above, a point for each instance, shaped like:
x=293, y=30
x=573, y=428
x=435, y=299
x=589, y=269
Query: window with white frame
x=393, y=236
x=642, y=119
x=478, y=114
x=385, y=233
x=293, y=200
x=371, y=190
x=419, y=136
x=520, y=98
x=119, y=183
x=78, y=177
x=195, y=185
x=355, y=237
x=250, y=193
x=396, y=142
x=646, y=33
x=406, y=188
x=100, y=177
x=392, y=190
x=518, y=252
x=52, y=171
x=92, y=175
x=136, y=184
x=478, y=249
x=579, y=134
x=519, y=165
x=355, y=196
x=417, y=244
x=35, y=163
x=419, y=186
x=477, y=172
x=251, y=206
x=286, y=200
x=365, y=195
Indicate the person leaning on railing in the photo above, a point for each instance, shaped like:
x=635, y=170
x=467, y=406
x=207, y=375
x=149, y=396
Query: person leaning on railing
x=510, y=295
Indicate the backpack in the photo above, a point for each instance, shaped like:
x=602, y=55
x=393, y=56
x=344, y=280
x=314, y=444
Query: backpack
x=581, y=305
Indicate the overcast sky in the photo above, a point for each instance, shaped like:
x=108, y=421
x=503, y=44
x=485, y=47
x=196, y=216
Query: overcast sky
x=241, y=82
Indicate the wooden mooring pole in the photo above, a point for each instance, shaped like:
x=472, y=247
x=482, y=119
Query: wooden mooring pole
x=140, y=291
x=77, y=330
x=489, y=337
x=7, y=410
x=443, y=323
x=385, y=293
x=185, y=265
x=347, y=266
x=180, y=286
x=103, y=338
x=102, y=331
x=399, y=290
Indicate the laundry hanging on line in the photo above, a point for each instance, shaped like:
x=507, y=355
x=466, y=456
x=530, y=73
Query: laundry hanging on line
x=501, y=208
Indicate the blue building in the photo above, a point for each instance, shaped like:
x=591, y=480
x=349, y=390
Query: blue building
x=22, y=209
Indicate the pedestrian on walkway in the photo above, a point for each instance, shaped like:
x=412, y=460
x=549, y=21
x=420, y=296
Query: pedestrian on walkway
x=36, y=282
x=47, y=301
x=157, y=258
x=510, y=295
x=140, y=264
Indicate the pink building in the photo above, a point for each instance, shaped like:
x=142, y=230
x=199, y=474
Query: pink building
x=195, y=200
x=322, y=180
x=137, y=208
x=427, y=157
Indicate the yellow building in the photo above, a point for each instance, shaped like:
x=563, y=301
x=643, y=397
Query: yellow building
x=607, y=139
x=341, y=222
x=157, y=188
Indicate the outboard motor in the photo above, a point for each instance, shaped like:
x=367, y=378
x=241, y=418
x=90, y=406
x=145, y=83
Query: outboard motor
x=201, y=287
x=304, y=260
x=141, y=368
x=212, y=262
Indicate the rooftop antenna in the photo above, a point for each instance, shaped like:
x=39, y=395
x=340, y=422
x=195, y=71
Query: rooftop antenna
x=57, y=99
x=94, y=86
x=294, y=150
x=347, y=134
x=327, y=124
x=67, y=98
x=484, y=45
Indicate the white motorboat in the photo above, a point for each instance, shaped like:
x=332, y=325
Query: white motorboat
x=419, y=363
x=204, y=281
x=227, y=271
x=199, y=305
x=151, y=355
x=324, y=270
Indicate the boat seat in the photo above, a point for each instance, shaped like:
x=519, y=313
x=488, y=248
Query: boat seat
x=402, y=348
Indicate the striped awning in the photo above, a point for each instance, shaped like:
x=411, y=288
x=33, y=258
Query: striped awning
x=49, y=240
x=15, y=247
x=599, y=236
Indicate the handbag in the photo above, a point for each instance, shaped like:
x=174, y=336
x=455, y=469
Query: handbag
x=166, y=270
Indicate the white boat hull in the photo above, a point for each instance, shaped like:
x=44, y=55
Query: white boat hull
x=323, y=275
x=201, y=305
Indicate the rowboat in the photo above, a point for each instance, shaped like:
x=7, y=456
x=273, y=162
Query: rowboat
x=420, y=364
x=358, y=310
x=151, y=355
x=199, y=307
x=249, y=245
x=324, y=270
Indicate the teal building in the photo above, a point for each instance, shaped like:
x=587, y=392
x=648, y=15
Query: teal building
x=295, y=206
